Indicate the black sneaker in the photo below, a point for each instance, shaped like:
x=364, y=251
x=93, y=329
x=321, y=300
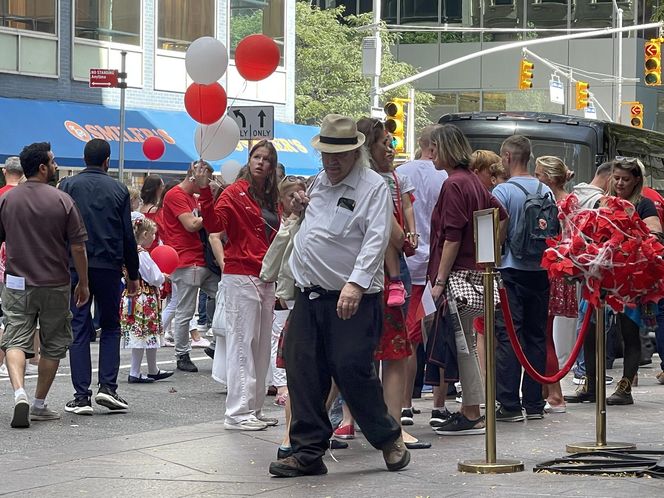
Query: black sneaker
x=503, y=415
x=108, y=398
x=534, y=416
x=406, y=416
x=460, y=425
x=79, y=406
x=185, y=364
x=209, y=351
x=439, y=417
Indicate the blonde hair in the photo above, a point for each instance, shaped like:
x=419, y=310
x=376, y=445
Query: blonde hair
x=636, y=168
x=143, y=226
x=483, y=160
x=555, y=169
x=452, y=146
x=134, y=197
x=498, y=170
x=290, y=180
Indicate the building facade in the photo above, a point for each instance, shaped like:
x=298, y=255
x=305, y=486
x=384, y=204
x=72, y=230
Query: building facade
x=47, y=48
x=490, y=83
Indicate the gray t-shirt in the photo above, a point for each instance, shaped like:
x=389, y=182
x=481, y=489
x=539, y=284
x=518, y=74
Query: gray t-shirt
x=38, y=222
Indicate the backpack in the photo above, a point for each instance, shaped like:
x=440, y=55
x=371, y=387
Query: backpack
x=538, y=223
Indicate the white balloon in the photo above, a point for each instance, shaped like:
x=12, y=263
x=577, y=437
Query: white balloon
x=216, y=141
x=206, y=60
x=229, y=170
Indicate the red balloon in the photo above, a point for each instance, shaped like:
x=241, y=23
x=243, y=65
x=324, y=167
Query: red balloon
x=166, y=258
x=153, y=148
x=205, y=103
x=256, y=57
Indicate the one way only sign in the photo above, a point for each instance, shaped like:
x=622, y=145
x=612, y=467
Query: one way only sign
x=255, y=122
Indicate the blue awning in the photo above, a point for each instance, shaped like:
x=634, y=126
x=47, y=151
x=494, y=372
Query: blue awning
x=69, y=125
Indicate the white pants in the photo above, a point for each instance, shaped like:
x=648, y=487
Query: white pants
x=277, y=376
x=564, y=337
x=248, y=307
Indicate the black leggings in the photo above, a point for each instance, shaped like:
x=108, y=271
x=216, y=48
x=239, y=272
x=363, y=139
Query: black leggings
x=631, y=351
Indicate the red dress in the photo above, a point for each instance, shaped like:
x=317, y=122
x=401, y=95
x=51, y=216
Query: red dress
x=394, y=343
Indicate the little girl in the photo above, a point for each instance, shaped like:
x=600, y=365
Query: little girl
x=141, y=314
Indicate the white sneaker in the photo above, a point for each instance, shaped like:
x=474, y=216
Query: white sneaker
x=3, y=371
x=31, y=369
x=43, y=413
x=250, y=424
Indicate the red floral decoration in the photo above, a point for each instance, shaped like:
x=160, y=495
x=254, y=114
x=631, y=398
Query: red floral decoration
x=610, y=249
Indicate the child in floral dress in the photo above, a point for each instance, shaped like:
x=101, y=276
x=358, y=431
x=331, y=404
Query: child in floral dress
x=141, y=313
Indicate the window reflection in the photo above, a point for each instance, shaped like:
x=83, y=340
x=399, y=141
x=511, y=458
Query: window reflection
x=180, y=22
x=249, y=17
x=31, y=15
x=117, y=21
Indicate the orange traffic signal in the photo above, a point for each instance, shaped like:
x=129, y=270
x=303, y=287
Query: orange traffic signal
x=526, y=75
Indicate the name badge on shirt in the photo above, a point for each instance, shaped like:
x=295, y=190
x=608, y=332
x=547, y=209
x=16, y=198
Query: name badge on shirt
x=14, y=283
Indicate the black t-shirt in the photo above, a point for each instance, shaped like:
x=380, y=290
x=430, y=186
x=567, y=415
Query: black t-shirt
x=646, y=208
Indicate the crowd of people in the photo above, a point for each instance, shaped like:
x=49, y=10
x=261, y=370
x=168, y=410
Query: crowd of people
x=311, y=285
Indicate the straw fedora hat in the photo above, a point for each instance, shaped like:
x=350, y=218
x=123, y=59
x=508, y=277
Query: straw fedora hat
x=337, y=134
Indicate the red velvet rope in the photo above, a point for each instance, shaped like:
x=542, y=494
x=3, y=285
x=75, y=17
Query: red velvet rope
x=518, y=350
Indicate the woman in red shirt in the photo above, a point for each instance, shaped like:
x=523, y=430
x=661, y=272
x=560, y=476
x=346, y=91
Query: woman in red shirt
x=151, y=191
x=247, y=212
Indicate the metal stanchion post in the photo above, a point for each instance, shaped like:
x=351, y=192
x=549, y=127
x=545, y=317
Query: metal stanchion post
x=490, y=464
x=600, y=395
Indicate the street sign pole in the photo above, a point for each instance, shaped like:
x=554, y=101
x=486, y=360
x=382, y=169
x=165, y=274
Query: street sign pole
x=123, y=87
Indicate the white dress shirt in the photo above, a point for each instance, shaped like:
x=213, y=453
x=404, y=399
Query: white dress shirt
x=335, y=244
x=427, y=182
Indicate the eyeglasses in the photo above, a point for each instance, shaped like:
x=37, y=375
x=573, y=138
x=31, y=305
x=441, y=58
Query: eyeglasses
x=293, y=178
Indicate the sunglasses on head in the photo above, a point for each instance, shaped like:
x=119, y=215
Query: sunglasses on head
x=627, y=159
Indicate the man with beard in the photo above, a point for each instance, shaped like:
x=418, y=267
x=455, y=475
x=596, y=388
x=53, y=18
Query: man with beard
x=37, y=277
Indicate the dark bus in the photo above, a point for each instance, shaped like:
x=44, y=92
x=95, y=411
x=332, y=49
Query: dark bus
x=581, y=143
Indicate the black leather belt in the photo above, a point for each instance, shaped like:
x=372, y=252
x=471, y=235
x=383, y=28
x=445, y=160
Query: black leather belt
x=317, y=291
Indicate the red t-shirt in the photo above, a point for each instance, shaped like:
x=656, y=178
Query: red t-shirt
x=5, y=189
x=187, y=244
x=155, y=216
x=648, y=193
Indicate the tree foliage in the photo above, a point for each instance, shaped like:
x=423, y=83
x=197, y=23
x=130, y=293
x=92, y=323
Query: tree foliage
x=328, y=67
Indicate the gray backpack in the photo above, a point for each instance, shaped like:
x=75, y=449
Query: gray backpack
x=538, y=223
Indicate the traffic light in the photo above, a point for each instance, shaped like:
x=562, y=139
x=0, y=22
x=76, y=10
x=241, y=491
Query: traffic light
x=636, y=115
x=653, y=62
x=394, y=123
x=526, y=75
x=582, y=95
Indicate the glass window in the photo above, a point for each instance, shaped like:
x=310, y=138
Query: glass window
x=33, y=15
x=117, y=21
x=180, y=22
x=249, y=17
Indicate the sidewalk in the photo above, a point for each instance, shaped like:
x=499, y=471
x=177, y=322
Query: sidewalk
x=205, y=460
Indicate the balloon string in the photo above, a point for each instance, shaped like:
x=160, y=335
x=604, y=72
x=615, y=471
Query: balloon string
x=205, y=143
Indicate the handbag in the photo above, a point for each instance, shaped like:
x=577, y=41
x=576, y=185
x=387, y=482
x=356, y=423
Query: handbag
x=407, y=247
x=467, y=288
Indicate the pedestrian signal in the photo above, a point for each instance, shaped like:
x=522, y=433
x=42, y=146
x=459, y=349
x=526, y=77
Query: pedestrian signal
x=526, y=75
x=394, y=123
x=582, y=95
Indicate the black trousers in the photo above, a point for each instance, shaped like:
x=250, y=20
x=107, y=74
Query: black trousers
x=318, y=347
x=631, y=353
x=528, y=296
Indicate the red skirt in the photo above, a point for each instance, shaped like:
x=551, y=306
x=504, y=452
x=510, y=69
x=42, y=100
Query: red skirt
x=562, y=299
x=394, y=343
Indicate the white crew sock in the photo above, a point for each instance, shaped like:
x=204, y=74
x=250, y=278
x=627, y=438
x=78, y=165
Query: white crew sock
x=136, y=359
x=38, y=403
x=20, y=391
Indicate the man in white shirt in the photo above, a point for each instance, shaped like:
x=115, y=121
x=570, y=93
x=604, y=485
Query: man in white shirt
x=428, y=182
x=337, y=263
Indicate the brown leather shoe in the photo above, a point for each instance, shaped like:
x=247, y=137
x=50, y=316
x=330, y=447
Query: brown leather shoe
x=291, y=467
x=396, y=455
x=623, y=394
